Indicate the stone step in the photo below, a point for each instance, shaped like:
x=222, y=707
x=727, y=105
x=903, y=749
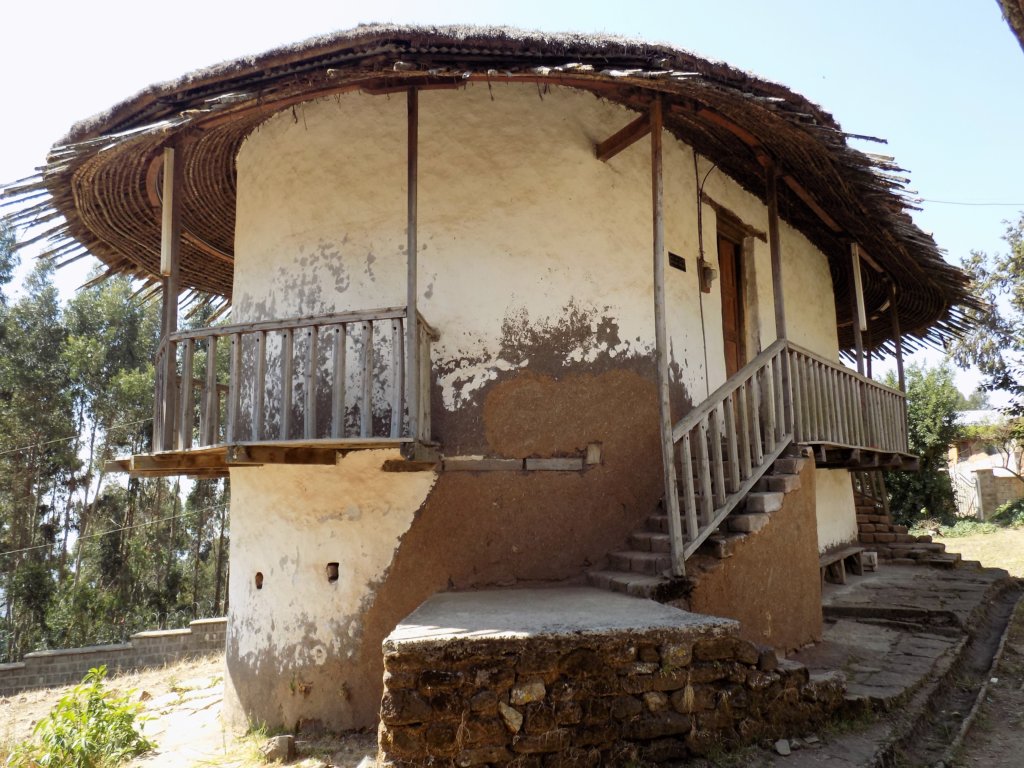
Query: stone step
x=749, y=522
x=634, y=584
x=763, y=501
x=788, y=465
x=721, y=545
x=649, y=541
x=656, y=523
x=945, y=560
x=636, y=561
x=782, y=483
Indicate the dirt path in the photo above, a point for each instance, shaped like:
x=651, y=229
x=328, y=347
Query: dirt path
x=182, y=704
x=996, y=740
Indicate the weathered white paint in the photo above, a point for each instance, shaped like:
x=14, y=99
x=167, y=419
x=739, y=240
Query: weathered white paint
x=288, y=522
x=837, y=513
x=522, y=232
x=517, y=220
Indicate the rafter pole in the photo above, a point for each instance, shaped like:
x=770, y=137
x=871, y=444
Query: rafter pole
x=897, y=337
x=412, y=336
x=775, y=246
x=857, y=320
x=170, y=270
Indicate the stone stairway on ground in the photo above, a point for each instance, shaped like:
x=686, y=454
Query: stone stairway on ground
x=643, y=569
x=895, y=545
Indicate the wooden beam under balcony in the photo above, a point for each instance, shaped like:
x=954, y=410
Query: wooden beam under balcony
x=216, y=461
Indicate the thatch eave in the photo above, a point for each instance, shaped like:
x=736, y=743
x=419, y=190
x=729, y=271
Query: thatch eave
x=102, y=178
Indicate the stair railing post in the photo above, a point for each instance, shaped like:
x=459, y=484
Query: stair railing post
x=661, y=342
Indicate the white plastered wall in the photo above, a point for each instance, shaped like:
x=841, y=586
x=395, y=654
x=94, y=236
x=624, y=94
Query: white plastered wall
x=287, y=524
x=837, y=513
x=518, y=223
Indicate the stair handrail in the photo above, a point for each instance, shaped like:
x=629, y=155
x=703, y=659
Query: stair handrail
x=784, y=395
x=690, y=420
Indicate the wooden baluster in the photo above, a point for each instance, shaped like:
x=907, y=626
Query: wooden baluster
x=781, y=425
x=397, y=377
x=234, y=388
x=844, y=406
x=366, y=406
x=689, y=500
x=735, y=471
x=819, y=400
x=287, y=381
x=755, y=423
x=715, y=447
x=768, y=382
x=830, y=381
x=338, y=382
x=186, y=419
x=259, y=385
x=158, y=401
x=310, y=384
x=211, y=401
x=858, y=411
x=744, y=429
x=707, y=505
x=796, y=382
x=424, y=384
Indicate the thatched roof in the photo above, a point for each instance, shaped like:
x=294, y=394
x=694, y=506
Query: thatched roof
x=102, y=179
x=1013, y=12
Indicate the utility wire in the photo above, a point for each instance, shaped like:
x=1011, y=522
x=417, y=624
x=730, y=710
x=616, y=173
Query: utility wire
x=72, y=437
x=964, y=202
x=117, y=530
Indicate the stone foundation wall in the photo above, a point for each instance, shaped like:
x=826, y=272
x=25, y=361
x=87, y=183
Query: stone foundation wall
x=654, y=696
x=67, y=666
x=995, y=490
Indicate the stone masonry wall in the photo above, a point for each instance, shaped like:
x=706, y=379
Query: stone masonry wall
x=587, y=701
x=44, y=669
x=995, y=490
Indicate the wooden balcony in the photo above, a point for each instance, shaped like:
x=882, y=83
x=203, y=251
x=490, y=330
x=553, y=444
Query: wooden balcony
x=299, y=390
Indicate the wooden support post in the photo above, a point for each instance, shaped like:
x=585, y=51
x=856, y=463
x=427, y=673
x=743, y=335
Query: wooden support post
x=897, y=338
x=170, y=269
x=412, y=325
x=856, y=305
x=775, y=245
x=661, y=341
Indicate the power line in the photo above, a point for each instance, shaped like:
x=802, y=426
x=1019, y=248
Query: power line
x=118, y=530
x=965, y=202
x=71, y=437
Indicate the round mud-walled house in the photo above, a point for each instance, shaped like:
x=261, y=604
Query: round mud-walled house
x=506, y=310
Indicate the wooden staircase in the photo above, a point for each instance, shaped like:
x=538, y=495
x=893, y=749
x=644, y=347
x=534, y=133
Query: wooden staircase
x=644, y=568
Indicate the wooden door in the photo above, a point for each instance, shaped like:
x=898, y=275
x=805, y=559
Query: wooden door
x=730, y=278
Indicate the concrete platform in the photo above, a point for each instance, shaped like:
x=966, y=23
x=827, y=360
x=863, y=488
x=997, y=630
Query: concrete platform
x=532, y=613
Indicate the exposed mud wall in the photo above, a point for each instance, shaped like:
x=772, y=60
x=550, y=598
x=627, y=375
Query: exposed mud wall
x=772, y=583
x=293, y=641
x=512, y=528
x=837, y=512
x=535, y=267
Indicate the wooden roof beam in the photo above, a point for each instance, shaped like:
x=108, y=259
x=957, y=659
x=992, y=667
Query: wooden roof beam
x=622, y=139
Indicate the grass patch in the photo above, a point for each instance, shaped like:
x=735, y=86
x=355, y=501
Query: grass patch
x=90, y=727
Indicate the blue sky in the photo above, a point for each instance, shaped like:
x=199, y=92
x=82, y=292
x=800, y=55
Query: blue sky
x=941, y=80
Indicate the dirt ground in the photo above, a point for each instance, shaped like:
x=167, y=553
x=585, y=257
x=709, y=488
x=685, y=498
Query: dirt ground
x=182, y=705
x=1003, y=549
x=996, y=739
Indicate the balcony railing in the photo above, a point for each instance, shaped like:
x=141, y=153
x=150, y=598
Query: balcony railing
x=332, y=378
x=786, y=394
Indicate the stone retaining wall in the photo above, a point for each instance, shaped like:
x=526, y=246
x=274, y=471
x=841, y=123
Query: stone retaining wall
x=44, y=669
x=588, y=700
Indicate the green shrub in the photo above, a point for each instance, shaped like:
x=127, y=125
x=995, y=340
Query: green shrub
x=1010, y=514
x=88, y=728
